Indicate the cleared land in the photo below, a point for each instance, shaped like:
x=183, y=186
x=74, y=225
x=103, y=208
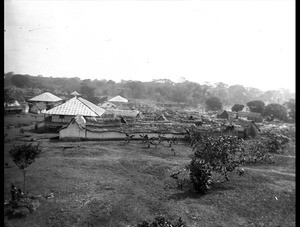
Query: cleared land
x=112, y=184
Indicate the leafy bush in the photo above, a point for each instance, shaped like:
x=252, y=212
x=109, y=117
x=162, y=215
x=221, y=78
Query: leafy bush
x=256, y=106
x=213, y=153
x=23, y=156
x=275, y=142
x=237, y=107
x=256, y=150
x=161, y=221
x=200, y=175
x=277, y=110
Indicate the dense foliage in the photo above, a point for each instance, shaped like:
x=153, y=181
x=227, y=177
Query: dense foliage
x=213, y=103
x=291, y=107
x=277, y=110
x=20, y=80
x=161, y=90
x=256, y=106
x=237, y=107
x=213, y=153
x=8, y=97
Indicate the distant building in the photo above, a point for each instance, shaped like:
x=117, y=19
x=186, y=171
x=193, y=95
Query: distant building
x=108, y=105
x=38, y=108
x=118, y=99
x=256, y=117
x=13, y=108
x=62, y=114
x=49, y=99
x=223, y=114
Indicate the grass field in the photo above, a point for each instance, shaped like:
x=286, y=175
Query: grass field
x=110, y=184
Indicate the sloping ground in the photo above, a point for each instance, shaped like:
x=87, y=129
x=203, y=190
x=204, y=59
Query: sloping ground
x=110, y=184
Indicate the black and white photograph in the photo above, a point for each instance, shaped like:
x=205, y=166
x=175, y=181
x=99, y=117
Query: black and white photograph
x=149, y=113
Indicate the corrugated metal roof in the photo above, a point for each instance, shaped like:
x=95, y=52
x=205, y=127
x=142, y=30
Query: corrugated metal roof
x=118, y=98
x=45, y=97
x=77, y=106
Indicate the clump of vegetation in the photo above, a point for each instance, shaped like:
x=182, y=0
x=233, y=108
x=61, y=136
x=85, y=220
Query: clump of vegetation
x=213, y=153
x=275, y=142
x=237, y=107
x=256, y=151
x=200, y=175
x=161, y=221
x=261, y=149
x=256, y=106
x=23, y=156
x=276, y=110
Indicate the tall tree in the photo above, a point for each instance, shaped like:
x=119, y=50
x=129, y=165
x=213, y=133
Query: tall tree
x=220, y=90
x=237, y=94
x=291, y=107
x=23, y=156
x=256, y=106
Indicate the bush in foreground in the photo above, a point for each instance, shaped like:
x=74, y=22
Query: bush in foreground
x=23, y=156
x=213, y=153
x=161, y=221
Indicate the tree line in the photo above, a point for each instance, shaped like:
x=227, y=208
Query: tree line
x=161, y=90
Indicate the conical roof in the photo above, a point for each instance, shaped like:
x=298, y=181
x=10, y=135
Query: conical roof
x=75, y=93
x=118, y=98
x=77, y=106
x=45, y=97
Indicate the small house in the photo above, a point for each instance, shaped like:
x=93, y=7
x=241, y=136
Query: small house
x=129, y=115
x=252, y=129
x=62, y=114
x=38, y=108
x=74, y=129
x=246, y=129
x=119, y=101
x=223, y=115
x=47, y=98
x=108, y=105
x=13, y=108
x=161, y=118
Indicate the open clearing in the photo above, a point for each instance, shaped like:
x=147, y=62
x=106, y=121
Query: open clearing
x=111, y=184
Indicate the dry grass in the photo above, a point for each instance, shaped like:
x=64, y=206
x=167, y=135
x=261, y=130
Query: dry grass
x=109, y=184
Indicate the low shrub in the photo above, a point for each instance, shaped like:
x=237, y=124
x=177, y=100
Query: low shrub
x=161, y=221
x=213, y=153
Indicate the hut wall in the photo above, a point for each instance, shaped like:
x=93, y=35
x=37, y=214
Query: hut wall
x=57, y=118
x=72, y=131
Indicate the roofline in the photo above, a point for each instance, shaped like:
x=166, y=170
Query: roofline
x=89, y=107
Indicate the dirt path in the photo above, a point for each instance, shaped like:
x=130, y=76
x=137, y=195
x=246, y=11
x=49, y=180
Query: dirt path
x=270, y=171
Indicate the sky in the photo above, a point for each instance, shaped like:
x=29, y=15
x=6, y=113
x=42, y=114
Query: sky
x=247, y=42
